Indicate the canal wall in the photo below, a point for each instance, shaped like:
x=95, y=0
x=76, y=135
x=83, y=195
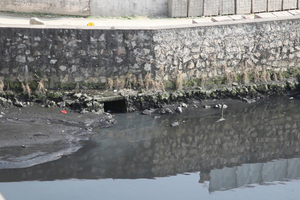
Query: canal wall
x=193, y=55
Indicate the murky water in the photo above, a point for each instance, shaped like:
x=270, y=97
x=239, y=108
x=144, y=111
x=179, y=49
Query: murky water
x=253, y=154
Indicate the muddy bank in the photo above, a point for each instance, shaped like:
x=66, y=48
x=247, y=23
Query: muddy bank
x=32, y=135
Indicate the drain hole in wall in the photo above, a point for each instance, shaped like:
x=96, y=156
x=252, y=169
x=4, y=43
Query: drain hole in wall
x=118, y=106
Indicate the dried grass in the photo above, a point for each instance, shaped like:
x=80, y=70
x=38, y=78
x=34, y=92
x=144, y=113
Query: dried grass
x=263, y=76
x=140, y=81
x=179, y=81
x=202, y=81
x=255, y=75
x=148, y=82
x=130, y=81
x=274, y=77
x=110, y=83
x=1, y=86
x=28, y=90
x=41, y=87
x=23, y=88
x=268, y=76
x=245, y=79
x=160, y=85
x=119, y=83
x=230, y=77
x=280, y=75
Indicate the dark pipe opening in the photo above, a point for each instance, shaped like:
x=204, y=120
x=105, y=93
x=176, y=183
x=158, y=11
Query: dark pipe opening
x=115, y=106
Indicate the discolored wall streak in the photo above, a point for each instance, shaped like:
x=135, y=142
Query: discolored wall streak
x=66, y=7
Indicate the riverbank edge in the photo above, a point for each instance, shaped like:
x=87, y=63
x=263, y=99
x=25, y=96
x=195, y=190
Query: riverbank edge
x=130, y=100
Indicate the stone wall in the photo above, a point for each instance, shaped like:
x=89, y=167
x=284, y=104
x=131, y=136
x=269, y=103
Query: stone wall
x=65, y=7
x=69, y=58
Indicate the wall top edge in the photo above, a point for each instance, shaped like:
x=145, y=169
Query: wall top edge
x=206, y=24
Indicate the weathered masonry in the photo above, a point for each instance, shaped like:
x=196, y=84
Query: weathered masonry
x=173, y=8
x=87, y=57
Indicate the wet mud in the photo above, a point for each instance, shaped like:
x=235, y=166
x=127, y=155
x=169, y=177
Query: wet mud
x=33, y=135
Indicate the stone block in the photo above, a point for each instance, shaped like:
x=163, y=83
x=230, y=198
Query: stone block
x=274, y=5
x=289, y=4
x=227, y=7
x=282, y=14
x=294, y=12
x=195, y=8
x=243, y=6
x=259, y=6
x=177, y=8
x=221, y=19
x=211, y=8
x=264, y=15
x=236, y=17
x=36, y=21
x=201, y=21
x=248, y=16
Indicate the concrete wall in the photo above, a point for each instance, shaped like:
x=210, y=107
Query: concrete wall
x=177, y=8
x=67, y=7
x=116, y=8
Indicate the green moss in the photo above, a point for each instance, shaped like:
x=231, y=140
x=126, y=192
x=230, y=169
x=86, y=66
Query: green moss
x=169, y=85
x=165, y=96
x=239, y=77
x=41, y=96
x=57, y=94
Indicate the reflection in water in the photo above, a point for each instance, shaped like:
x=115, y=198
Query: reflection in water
x=247, y=174
x=229, y=154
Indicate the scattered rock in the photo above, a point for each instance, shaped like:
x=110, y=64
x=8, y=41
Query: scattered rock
x=18, y=104
x=77, y=95
x=179, y=109
x=219, y=106
x=61, y=104
x=184, y=105
x=165, y=111
x=248, y=100
x=36, y=21
x=235, y=84
x=175, y=124
x=207, y=107
x=168, y=111
x=156, y=117
x=148, y=112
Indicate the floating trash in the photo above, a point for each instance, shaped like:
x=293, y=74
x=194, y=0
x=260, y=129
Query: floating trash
x=63, y=111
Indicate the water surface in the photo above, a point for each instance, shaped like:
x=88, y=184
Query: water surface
x=252, y=154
